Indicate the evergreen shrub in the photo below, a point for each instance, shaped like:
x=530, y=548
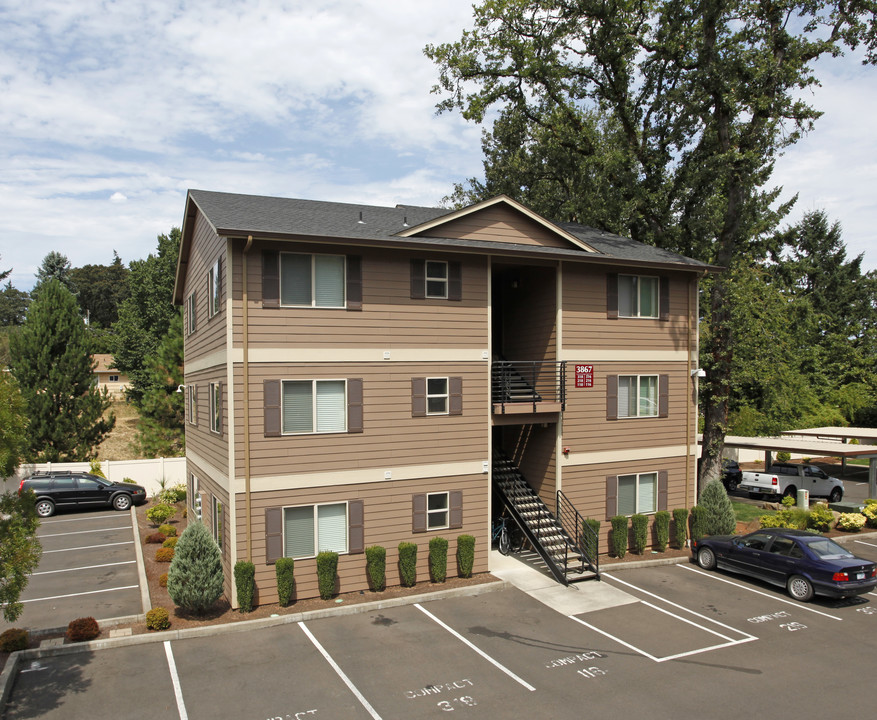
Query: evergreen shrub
x=327, y=569
x=662, y=530
x=718, y=513
x=438, y=559
x=697, y=522
x=195, y=576
x=376, y=567
x=170, y=542
x=14, y=639
x=168, y=530
x=591, y=539
x=162, y=580
x=164, y=554
x=82, y=629
x=158, y=619
x=618, y=535
x=161, y=513
x=408, y=563
x=245, y=584
x=284, y=568
x=680, y=527
x=156, y=538
x=465, y=555
x=821, y=517
x=640, y=524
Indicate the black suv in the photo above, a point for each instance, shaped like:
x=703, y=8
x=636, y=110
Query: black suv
x=79, y=489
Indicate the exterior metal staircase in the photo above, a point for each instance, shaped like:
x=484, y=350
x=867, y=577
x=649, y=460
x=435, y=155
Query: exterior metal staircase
x=566, y=544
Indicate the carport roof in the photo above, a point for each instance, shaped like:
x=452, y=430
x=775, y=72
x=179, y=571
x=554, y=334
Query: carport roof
x=825, y=448
x=837, y=433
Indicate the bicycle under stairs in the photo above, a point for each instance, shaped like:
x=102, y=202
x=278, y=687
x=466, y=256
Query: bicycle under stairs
x=566, y=544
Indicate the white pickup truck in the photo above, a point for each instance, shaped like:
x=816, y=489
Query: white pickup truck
x=785, y=479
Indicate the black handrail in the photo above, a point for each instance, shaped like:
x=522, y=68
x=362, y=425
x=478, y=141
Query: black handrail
x=528, y=381
x=586, y=541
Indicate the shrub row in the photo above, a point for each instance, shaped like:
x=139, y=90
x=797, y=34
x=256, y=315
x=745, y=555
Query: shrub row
x=621, y=534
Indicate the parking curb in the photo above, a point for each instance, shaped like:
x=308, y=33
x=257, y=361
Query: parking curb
x=145, y=601
x=615, y=567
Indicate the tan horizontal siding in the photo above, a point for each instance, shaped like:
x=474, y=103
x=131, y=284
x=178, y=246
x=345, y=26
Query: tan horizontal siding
x=387, y=522
x=499, y=224
x=207, y=247
x=209, y=488
x=209, y=445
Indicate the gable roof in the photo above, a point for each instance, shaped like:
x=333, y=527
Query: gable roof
x=240, y=216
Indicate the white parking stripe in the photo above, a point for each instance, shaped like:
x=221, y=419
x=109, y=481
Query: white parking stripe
x=84, y=567
x=83, y=532
x=89, y=547
x=90, y=592
x=798, y=605
x=359, y=696
x=82, y=518
x=476, y=649
x=175, y=679
x=862, y=542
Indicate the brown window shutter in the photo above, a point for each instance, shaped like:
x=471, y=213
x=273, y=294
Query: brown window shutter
x=418, y=513
x=271, y=391
x=418, y=279
x=612, y=397
x=270, y=278
x=273, y=535
x=355, y=527
x=664, y=298
x=455, y=388
x=354, y=282
x=455, y=281
x=418, y=397
x=354, y=405
x=612, y=296
x=663, y=395
x=455, y=520
x=662, y=490
x=611, y=496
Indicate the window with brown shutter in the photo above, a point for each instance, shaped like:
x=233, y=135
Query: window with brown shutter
x=418, y=279
x=456, y=396
x=664, y=303
x=355, y=527
x=612, y=296
x=273, y=535
x=612, y=397
x=418, y=397
x=418, y=513
x=456, y=514
x=611, y=496
x=270, y=278
x=354, y=282
x=272, y=409
x=663, y=395
x=354, y=405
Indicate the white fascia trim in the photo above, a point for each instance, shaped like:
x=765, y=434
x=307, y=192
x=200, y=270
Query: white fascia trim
x=633, y=455
x=217, y=475
x=592, y=355
x=207, y=362
x=295, y=481
x=359, y=355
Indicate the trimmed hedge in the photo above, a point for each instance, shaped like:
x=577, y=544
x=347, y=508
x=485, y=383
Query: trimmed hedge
x=170, y=542
x=284, y=568
x=465, y=555
x=168, y=530
x=680, y=527
x=245, y=584
x=640, y=525
x=697, y=523
x=438, y=559
x=376, y=567
x=662, y=530
x=591, y=541
x=158, y=619
x=408, y=563
x=82, y=629
x=327, y=569
x=14, y=639
x=618, y=535
x=164, y=554
x=156, y=538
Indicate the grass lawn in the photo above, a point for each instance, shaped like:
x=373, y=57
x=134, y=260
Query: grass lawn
x=746, y=512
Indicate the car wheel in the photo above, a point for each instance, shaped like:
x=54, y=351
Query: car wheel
x=45, y=508
x=706, y=558
x=836, y=495
x=122, y=502
x=790, y=491
x=800, y=588
x=732, y=485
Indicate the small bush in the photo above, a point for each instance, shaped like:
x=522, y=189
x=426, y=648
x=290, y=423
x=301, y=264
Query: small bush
x=786, y=518
x=245, y=582
x=697, y=523
x=129, y=481
x=195, y=576
x=783, y=456
x=162, y=580
x=168, y=530
x=408, y=563
x=172, y=495
x=164, y=554
x=158, y=619
x=870, y=513
x=161, y=513
x=170, y=542
x=680, y=527
x=83, y=629
x=376, y=567
x=591, y=539
x=640, y=524
x=438, y=559
x=662, y=530
x=327, y=569
x=13, y=640
x=94, y=467
x=820, y=517
x=851, y=522
x=156, y=538
x=718, y=513
x=284, y=568
x=788, y=501
x=465, y=555
x=618, y=535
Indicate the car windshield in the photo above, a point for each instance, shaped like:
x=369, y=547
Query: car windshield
x=828, y=549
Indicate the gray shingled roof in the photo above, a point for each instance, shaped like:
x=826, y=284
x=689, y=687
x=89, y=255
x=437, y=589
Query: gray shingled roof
x=240, y=215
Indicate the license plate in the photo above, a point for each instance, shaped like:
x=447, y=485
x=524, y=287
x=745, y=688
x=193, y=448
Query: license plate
x=860, y=576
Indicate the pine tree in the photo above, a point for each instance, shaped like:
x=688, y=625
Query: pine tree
x=20, y=549
x=50, y=360
x=13, y=425
x=719, y=518
x=161, y=432
x=194, y=580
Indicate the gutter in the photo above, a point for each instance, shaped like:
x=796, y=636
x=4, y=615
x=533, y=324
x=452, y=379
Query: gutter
x=246, y=381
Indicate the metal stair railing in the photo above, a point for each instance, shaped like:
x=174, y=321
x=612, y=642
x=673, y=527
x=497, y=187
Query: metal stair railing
x=528, y=381
x=583, y=536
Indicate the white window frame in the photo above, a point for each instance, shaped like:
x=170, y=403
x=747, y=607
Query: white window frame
x=113, y=378
x=636, y=310
x=196, y=497
x=433, y=278
x=316, y=538
x=213, y=286
x=638, y=483
x=623, y=408
x=192, y=403
x=215, y=405
x=446, y=395
x=314, y=417
x=217, y=522
x=191, y=320
x=313, y=302
x=430, y=512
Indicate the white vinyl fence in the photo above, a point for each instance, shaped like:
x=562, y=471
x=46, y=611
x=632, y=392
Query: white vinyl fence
x=147, y=473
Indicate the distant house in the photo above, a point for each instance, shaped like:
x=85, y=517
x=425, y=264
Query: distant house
x=107, y=376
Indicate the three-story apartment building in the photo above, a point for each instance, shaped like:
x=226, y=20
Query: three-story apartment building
x=360, y=375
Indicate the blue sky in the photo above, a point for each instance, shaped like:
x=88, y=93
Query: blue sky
x=110, y=111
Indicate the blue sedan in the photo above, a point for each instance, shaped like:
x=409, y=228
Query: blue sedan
x=803, y=563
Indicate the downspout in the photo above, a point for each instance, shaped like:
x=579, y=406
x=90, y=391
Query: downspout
x=246, y=381
x=688, y=401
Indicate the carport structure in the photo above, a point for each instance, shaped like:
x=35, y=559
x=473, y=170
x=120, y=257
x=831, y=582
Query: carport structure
x=829, y=442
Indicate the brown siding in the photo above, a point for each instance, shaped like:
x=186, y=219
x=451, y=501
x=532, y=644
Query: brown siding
x=390, y=435
x=208, y=489
x=387, y=522
x=528, y=312
x=210, y=334
x=199, y=438
x=501, y=224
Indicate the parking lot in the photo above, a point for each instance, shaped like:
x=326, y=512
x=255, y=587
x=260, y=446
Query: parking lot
x=696, y=644
x=88, y=568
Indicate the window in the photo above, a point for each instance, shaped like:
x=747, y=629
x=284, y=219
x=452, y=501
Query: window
x=436, y=396
x=637, y=493
x=214, y=297
x=195, y=495
x=216, y=407
x=436, y=279
x=638, y=296
x=192, y=404
x=314, y=406
x=637, y=396
x=217, y=521
x=312, y=280
x=113, y=378
x=310, y=529
x=436, y=511
x=190, y=314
